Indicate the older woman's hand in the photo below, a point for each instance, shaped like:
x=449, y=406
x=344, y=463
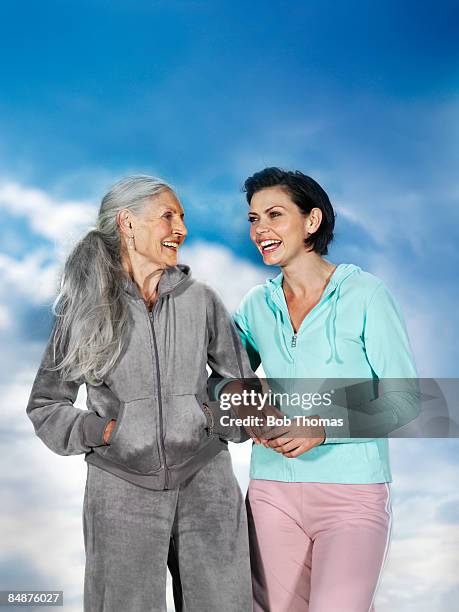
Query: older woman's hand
x=108, y=430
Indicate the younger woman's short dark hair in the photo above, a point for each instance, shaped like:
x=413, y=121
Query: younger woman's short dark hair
x=306, y=193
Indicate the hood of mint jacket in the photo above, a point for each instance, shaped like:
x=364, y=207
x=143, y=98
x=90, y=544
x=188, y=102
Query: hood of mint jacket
x=155, y=391
x=356, y=331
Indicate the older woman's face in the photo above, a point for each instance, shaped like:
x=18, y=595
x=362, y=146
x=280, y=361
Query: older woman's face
x=159, y=230
x=277, y=226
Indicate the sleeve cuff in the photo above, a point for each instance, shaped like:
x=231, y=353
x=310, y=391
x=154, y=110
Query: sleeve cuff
x=93, y=429
x=335, y=433
x=220, y=386
x=329, y=440
x=230, y=433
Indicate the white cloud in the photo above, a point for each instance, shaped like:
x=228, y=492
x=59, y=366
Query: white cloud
x=423, y=555
x=33, y=277
x=51, y=218
x=5, y=317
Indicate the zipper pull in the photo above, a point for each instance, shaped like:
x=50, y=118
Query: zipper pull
x=293, y=341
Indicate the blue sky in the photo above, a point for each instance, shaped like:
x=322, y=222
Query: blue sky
x=363, y=96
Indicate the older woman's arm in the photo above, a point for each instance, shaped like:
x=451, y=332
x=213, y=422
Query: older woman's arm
x=230, y=367
x=233, y=374
x=64, y=428
x=229, y=363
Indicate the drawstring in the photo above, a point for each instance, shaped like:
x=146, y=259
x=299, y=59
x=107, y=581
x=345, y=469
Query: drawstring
x=331, y=329
x=330, y=325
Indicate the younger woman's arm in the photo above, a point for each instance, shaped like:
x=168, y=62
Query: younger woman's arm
x=389, y=354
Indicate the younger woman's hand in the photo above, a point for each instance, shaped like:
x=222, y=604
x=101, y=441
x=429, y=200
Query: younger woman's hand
x=302, y=439
x=294, y=447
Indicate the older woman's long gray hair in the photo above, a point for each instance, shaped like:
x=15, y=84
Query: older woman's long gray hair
x=91, y=310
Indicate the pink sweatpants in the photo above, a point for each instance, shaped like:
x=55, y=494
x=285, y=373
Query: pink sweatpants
x=317, y=547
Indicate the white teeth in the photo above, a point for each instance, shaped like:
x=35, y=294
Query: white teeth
x=171, y=244
x=266, y=243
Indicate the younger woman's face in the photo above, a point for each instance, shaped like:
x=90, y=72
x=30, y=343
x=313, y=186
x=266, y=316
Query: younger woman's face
x=277, y=226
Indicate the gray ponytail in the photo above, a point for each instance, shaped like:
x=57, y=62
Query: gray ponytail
x=91, y=309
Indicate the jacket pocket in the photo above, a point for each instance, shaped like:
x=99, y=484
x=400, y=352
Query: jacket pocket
x=185, y=428
x=133, y=442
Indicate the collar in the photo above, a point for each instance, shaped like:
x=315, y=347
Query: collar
x=170, y=279
x=340, y=274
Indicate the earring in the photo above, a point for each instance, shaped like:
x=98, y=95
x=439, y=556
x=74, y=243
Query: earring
x=131, y=244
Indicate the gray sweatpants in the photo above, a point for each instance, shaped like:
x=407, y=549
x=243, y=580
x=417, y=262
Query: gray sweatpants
x=128, y=531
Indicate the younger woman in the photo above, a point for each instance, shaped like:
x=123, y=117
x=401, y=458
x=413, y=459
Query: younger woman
x=319, y=507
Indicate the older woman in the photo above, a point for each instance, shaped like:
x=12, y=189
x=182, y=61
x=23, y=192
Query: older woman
x=138, y=331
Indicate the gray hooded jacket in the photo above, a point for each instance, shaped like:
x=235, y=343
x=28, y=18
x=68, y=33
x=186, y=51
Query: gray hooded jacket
x=155, y=391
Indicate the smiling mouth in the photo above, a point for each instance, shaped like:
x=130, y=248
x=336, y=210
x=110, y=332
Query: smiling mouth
x=268, y=246
x=173, y=246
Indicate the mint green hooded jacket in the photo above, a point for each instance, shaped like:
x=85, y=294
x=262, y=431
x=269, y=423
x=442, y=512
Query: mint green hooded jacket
x=356, y=331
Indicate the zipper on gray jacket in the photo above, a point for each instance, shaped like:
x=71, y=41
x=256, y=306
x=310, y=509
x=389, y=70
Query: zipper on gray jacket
x=160, y=403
